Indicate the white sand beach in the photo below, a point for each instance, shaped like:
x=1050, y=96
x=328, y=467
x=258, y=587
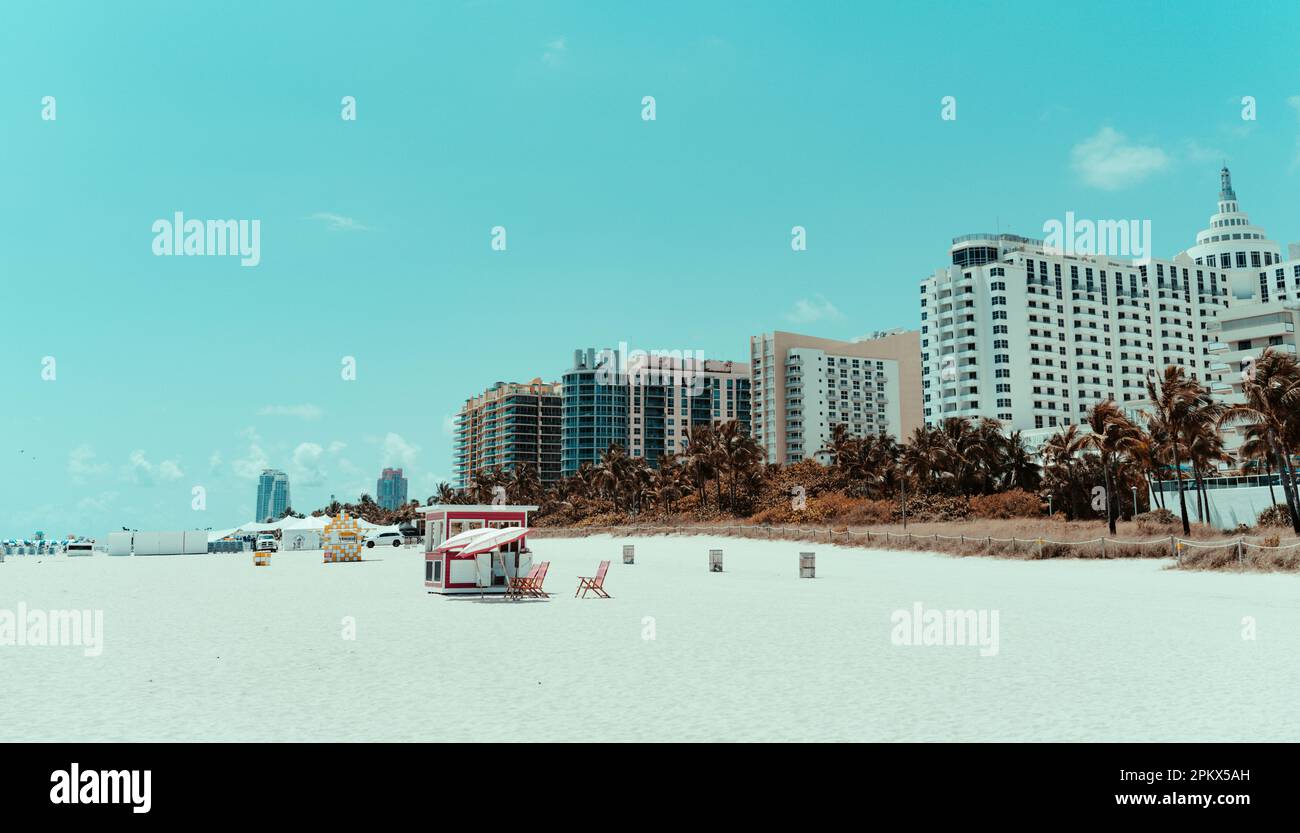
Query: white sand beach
x=211, y=648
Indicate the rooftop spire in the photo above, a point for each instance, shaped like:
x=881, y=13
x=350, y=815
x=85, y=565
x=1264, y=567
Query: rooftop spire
x=1225, y=185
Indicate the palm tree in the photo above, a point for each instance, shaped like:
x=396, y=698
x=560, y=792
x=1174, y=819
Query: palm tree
x=445, y=494
x=1060, y=453
x=701, y=461
x=740, y=453
x=1183, y=405
x=1018, y=468
x=1257, y=456
x=840, y=443
x=1205, y=451
x=609, y=475
x=1272, y=408
x=666, y=488
x=923, y=456
x=523, y=485
x=1112, y=434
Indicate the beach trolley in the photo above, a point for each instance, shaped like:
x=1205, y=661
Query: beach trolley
x=475, y=549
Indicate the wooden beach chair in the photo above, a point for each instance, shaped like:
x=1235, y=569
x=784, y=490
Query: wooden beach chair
x=518, y=585
x=594, y=584
x=535, y=585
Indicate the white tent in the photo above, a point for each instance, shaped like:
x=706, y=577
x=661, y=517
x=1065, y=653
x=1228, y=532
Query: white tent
x=308, y=522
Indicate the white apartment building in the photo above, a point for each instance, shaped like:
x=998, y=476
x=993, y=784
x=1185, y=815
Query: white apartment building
x=803, y=386
x=1035, y=336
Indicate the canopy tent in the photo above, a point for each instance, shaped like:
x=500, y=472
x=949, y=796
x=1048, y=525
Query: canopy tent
x=309, y=522
x=253, y=526
x=218, y=534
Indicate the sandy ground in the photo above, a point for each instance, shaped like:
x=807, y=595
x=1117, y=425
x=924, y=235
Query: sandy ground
x=211, y=648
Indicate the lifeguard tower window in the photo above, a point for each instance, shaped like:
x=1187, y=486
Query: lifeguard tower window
x=457, y=527
x=433, y=570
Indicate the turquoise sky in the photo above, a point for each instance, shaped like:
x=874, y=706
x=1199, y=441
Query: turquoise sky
x=176, y=372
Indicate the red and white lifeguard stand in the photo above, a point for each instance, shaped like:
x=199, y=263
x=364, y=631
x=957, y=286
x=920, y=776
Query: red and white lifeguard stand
x=475, y=549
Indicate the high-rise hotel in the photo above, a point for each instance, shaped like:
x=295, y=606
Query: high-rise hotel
x=803, y=386
x=1034, y=335
x=645, y=402
x=509, y=425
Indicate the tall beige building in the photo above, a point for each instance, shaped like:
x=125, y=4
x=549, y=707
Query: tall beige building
x=802, y=386
x=510, y=424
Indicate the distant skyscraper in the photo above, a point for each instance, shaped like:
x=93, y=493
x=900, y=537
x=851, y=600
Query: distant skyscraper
x=390, y=492
x=272, y=494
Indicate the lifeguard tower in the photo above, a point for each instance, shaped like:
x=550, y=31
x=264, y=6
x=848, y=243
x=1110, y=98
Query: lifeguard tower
x=475, y=549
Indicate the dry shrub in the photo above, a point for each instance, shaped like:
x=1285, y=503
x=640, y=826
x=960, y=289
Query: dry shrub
x=1203, y=558
x=1156, y=521
x=1016, y=503
x=1277, y=515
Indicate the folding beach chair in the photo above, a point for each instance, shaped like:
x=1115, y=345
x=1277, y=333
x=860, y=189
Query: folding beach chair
x=594, y=584
x=518, y=585
x=534, y=587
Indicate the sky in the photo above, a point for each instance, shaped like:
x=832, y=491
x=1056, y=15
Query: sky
x=132, y=379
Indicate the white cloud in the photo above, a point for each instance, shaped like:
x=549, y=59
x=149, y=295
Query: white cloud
x=448, y=426
x=397, y=450
x=304, y=411
x=1294, y=103
x=251, y=465
x=98, y=504
x=81, y=464
x=306, y=469
x=555, y=51
x=214, y=462
x=1196, y=152
x=1110, y=162
x=807, y=311
x=337, y=222
x=141, y=471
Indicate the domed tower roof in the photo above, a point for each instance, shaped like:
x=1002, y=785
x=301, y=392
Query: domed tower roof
x=1231, y=238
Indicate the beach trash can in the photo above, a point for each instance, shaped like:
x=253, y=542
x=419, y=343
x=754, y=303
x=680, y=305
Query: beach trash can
x=715, y=561
x=261, y=559
x=807, y=565
x=629, y=554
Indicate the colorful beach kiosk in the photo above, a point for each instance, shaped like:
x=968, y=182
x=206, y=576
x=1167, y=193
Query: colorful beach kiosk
x=475, y=549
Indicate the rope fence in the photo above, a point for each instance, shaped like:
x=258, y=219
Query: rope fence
x=1172, y=543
